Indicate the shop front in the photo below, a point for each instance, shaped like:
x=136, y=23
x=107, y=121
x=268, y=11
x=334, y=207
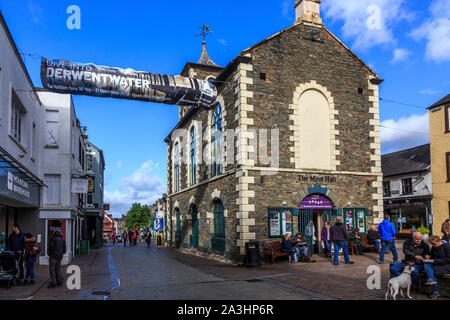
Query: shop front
x=410, y=214
x=19, y=198
x=314, y=211
x=62, y=222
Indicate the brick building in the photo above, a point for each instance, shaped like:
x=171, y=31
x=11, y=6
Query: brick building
x=294, y=138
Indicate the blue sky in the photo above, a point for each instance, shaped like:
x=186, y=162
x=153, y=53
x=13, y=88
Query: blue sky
x=410, y=49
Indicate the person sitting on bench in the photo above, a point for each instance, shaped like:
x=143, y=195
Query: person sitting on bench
x=416, y=250
x=287, y=247
x=373, y=237
x=301, y=244
x=356, y=238
x=440, y=258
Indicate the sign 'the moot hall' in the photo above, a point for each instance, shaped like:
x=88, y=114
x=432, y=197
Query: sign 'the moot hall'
x=324, y=101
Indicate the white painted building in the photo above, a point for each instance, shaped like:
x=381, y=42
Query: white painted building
x=63, y=158
x=407, y=188
x=20, y=120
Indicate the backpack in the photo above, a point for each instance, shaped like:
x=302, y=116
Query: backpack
x=35, y=249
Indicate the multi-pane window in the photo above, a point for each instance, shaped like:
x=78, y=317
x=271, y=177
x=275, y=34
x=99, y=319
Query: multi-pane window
x=90, y=162
x=193, y=167
x=52, y=128
x=407, y=186
x=177, y=168
x=387, y=188
x=52, y=194
x=16, y=118
x=216, y=141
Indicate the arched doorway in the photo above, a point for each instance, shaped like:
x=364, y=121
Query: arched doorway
x=218, y=239
x=315, y=208
x=194, y=234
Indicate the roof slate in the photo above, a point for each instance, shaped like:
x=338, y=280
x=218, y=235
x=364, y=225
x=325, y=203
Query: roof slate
x=406, y=161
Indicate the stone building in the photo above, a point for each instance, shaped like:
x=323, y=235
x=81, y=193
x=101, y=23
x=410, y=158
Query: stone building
x=294, y=138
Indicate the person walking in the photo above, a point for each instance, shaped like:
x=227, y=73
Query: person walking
x=124, y=237
x=130, y=237
x=446, y=230
x=113, y=237
x=16, y=244
x=56, y=253
x=310, y=232
x=135, y=235
x=325, y=238
x=32, y=250
x=387, y=231
x=338, y=236
x=148, y=238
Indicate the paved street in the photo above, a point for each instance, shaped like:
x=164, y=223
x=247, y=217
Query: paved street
x=139, y=273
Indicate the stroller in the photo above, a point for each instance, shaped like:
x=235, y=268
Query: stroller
x=9, y=267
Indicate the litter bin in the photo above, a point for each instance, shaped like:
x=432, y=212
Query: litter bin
x=252, y=256
x=159, y=240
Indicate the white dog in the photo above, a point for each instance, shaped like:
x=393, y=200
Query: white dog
x=399, y=283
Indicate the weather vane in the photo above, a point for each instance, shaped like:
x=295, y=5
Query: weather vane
x=206, y=30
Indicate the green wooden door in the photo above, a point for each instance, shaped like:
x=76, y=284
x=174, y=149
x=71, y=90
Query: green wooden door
x=194, y=236
x=218, y=239
x=178, y=230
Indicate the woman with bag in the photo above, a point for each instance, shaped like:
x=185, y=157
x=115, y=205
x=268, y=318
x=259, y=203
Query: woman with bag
x=32, y=250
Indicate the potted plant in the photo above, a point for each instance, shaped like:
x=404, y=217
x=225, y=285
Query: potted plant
x=425, y=232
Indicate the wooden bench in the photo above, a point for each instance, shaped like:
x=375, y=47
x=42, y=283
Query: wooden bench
x=367, y=245
x=272, y=249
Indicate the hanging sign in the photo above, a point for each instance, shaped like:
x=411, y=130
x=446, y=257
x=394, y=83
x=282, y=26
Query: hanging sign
x=62, y=76
x=79, y=185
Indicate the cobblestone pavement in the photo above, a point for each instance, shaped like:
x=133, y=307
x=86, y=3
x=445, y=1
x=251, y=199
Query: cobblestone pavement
x=137, y=273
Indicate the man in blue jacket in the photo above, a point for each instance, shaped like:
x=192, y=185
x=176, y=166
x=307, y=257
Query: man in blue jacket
x=387, y=231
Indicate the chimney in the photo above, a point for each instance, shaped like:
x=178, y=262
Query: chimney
x=308, y=11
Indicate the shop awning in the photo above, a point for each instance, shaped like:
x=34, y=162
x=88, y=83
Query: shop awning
x=7, y=161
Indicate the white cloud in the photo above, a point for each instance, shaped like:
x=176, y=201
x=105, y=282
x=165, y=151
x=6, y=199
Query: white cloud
x=141, y=187
x=369, y=22
x=406, y=132
x=286, y=8
x=36, y=12
x=429, y=91
x=222, y=42
x=401, y=55
x=436, y=31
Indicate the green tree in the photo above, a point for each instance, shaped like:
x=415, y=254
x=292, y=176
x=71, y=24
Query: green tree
x=138, y=216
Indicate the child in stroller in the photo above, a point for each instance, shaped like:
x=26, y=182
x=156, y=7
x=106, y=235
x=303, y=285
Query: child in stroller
x=9, y=267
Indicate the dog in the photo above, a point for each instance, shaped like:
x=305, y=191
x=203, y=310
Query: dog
x=400, y=283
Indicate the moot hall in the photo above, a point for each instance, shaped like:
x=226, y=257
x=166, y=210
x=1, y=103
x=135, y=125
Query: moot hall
x=324, y=102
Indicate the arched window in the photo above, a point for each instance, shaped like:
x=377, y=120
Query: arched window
x=216, y=141
x=177, y=167
x=178, y=217
x=314, y=125
x=193, y=167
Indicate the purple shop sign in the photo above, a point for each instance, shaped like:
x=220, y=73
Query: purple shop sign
x=316, y=202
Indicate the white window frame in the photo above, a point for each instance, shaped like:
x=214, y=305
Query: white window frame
x=52, y=194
